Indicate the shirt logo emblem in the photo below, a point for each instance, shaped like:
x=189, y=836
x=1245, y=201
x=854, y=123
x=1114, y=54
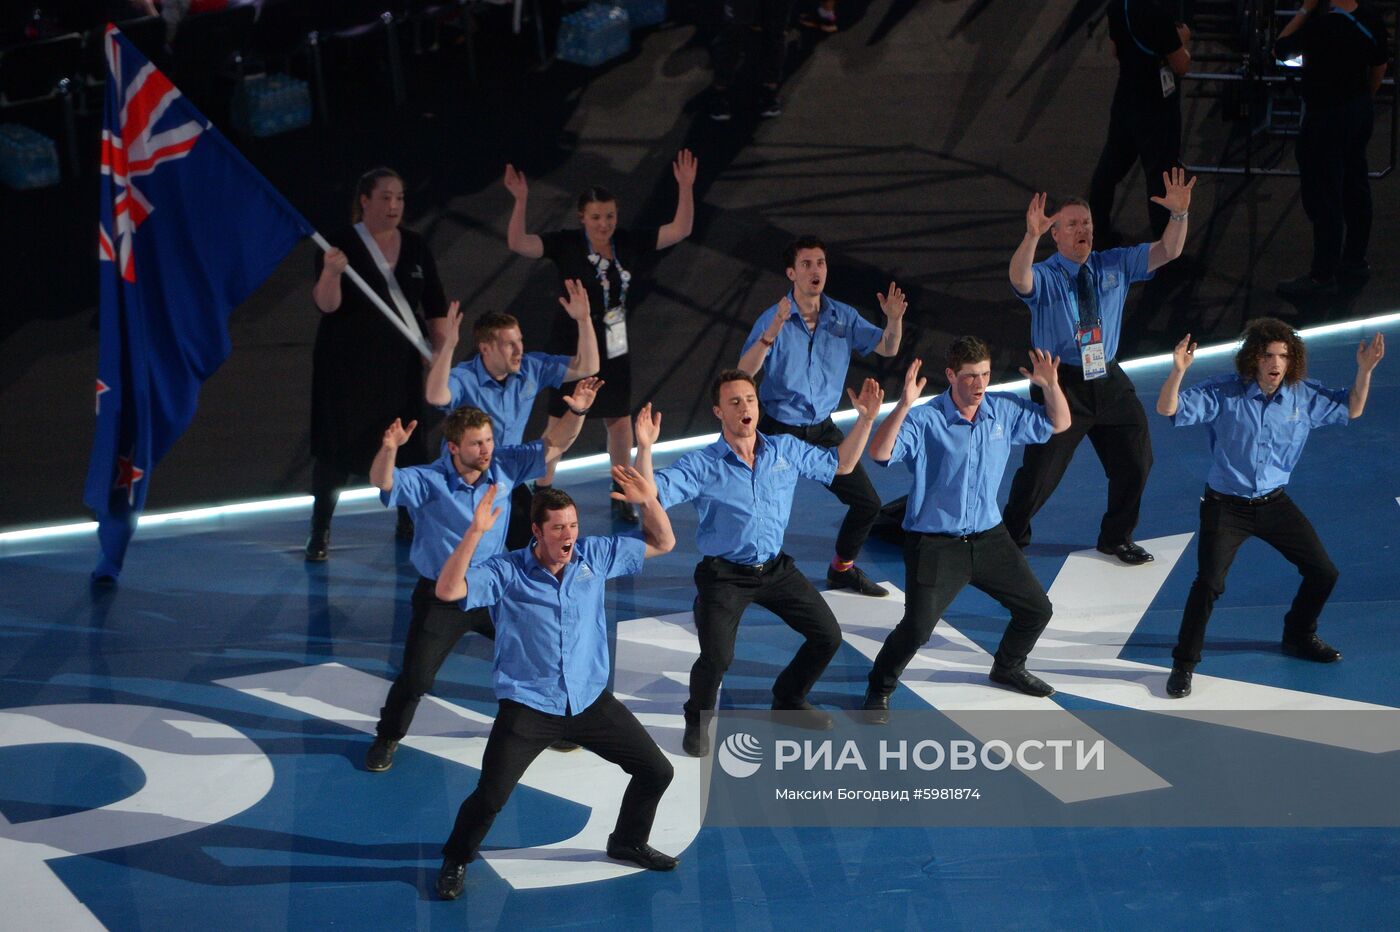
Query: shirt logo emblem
x=780, y=464
x=584, y=572
x=998, y=432
x=1110, y=280
x=417, y=272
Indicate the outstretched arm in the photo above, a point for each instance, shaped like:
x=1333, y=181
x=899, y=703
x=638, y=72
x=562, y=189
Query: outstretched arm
x=1045, y=372
x=883, y=445
x=1168, y=399
x=452, y=581
x=894, y=306
x=1023, y=259
x=1177, y=200
x=684, y=169
x=867, y=405
x=648, y=428
x=521, y=243
x=585, y=361
x=1368, y=355
x=435, y=389
x=381, y=471
x=561, y=434
x=656, y=524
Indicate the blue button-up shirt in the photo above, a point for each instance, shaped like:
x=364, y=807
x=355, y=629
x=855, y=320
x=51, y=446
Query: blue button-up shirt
x=509, y=400
x=442, y=503
x=551, y=633
x=1054, y=299
x=957, y=464
x=805, y=370
x=743, y=512
x=1256, y=440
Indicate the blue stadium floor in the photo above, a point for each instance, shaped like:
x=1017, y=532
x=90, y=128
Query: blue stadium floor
x=187, y=749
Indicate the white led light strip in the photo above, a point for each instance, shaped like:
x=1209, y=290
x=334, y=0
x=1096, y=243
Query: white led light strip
x=581, y=463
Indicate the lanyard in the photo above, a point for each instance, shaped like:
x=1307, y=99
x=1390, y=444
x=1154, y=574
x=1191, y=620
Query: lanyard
x=395, y=292
x=601, y=266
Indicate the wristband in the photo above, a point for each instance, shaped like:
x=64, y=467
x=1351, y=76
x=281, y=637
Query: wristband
x=576, y=412
x=1180, y=217
x=765, y=341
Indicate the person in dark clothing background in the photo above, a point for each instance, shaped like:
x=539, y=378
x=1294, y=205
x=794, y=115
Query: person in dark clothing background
x=1343, y=44
x=1144, y=123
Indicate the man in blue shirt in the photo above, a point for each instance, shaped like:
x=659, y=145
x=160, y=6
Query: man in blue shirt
x=503, y=380
x=742, y=487
x=551, y=667
x=955, y=448
x=442, y=496
x=1260, y=417
x=1076, y=299
x=807, y=340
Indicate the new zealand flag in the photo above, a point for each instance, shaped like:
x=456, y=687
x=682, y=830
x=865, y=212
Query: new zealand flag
x=188, y=230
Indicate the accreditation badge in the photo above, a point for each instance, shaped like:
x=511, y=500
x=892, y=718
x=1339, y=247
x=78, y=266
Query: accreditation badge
x=1091, y=354
x=615, y=333
x=1168, y=81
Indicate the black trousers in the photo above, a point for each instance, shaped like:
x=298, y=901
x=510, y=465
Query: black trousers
x=936, y=568
x=1225, y=524
x=1147, y=135
x=854, y=490
x=518, y=533
x=518, y=736
x=740, y=18
x=1107, y=410
x=723, y=591
x=1335, y=187
x=434, y=629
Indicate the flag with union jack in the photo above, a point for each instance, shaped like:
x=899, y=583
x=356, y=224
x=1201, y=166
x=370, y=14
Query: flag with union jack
x=187, y=230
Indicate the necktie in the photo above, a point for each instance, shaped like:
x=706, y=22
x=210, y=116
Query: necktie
x=1088, y=298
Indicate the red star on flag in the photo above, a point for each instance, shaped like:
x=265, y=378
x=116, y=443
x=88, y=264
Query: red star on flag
x=102, y=389
x=127, y=477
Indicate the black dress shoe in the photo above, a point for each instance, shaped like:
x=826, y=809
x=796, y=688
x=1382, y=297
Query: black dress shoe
x=1305, y=286
x=1179, y=683
x=642, y=855
x=317, y=545
x=854, y=580
x=1019, y=678
x=696, y=742
x=380, y=756
x=1127, y=552
x=451, y=878
x=562, y=745
x=801, y=714
x=1311, y=648
x=876, y=708
x=624, y=512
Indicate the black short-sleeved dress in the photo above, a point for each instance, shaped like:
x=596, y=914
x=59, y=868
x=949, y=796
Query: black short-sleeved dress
x=569, y=250
x=364, y=373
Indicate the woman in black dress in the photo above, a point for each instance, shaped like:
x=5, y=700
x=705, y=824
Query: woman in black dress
x=364, y=373
x=604, y=257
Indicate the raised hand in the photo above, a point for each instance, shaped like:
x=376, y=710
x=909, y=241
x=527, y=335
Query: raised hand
x=684, y=168
x=913, y=385
x=636, y=488
x=1184, y=354
x=1045, y=369
x=585, y=390
x=1036, y=220
x=516, y=184
x=867, y=403
x=396, y=435
x=893, y=304
x=336, y=261
x=575, y=301
x=648, y=426
x=1178, y=193
x=484, y=516
x=452, y=328
x=1369, y=354
x=775, y=326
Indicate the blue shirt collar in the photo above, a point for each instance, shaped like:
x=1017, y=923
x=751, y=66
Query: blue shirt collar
x=823, y=305
x=483, y=375
x=949, y=410
x=1068, y=265
x=1252, y=390
x=455, y=481
x=721, y=448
